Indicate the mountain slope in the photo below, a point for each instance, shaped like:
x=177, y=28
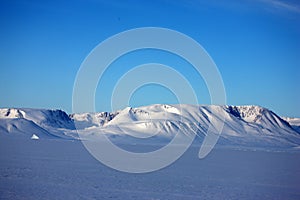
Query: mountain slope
x=243, y=125
x=41, y=122
x=252, y=126
x=294, y=122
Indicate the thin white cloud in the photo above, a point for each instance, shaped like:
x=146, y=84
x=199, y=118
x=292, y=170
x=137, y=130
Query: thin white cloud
x=283, y=5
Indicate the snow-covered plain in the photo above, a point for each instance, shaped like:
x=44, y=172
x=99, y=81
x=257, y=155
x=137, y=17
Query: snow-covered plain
x=257, y=156
x=63, y=169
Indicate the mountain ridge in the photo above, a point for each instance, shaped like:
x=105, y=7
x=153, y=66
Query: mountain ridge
x=243, y=125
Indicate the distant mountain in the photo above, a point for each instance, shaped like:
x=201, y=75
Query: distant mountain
x=244, y=125
x=41, y=122
x=294, y=122
x=251, y=126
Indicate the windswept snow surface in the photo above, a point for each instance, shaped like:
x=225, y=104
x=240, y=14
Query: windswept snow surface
x=63, y=169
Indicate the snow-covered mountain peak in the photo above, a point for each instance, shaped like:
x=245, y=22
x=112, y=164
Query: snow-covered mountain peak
x=11, y=113
x=87, y=120
x=249, y=113
x=43, y=117
x=251, y=125
x=161, y=108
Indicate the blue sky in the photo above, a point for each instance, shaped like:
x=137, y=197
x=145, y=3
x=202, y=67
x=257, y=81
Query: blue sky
x=255, y=44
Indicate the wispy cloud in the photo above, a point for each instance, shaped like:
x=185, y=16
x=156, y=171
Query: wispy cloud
x=284, y=5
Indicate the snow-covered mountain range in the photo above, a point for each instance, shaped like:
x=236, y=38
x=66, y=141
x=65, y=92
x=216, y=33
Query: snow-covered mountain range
x=243, y=125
